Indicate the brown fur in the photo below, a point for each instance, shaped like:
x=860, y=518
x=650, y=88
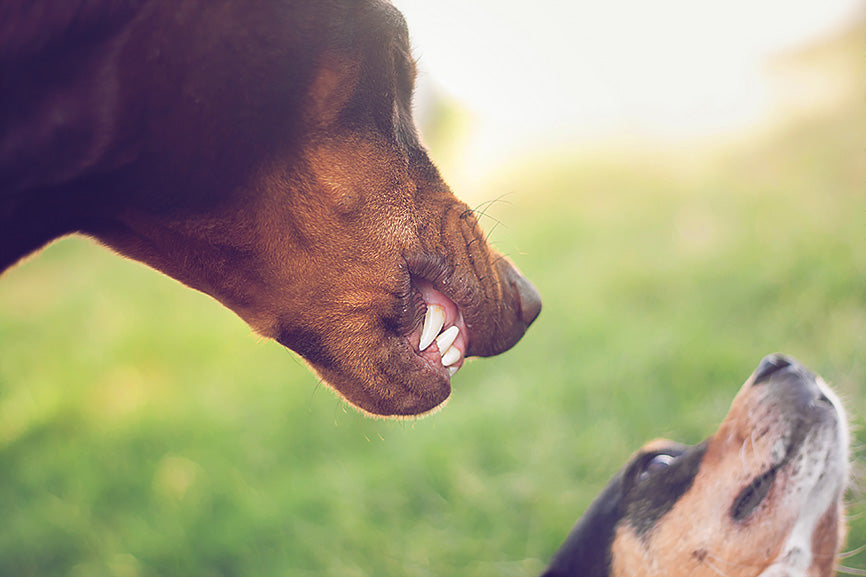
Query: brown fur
x=263, y=153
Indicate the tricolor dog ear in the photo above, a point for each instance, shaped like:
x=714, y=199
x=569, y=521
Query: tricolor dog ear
x=586, y=551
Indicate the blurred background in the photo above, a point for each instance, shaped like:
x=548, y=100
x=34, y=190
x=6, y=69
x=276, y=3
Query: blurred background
x=685, y=183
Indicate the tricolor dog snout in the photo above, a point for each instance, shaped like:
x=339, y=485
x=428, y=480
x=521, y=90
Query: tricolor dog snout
x=800, y=382
x=769, y=365
x=762, y=497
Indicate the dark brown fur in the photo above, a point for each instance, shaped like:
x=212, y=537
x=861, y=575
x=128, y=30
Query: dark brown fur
x=263, y=153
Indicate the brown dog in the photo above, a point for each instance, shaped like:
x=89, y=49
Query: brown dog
x=265, y=154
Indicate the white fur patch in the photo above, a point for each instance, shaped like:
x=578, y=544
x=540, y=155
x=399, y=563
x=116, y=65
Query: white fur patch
x=815, y=485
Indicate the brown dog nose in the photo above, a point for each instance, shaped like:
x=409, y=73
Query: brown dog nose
x=527, y=297
x=530, y=300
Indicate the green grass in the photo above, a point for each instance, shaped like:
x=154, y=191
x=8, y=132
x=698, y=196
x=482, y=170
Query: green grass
x=144, y=431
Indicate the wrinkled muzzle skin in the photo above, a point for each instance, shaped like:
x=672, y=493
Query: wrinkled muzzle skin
x=266, y=155
x=352, y=318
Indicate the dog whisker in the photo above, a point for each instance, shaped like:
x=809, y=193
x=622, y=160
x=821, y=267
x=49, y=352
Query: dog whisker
x=850, y=570
x=851, y=553
x=481, y=208
x=721, y=561
x=754, y=447
x=743, y=462
x=489, y=233
x=466, y=213
x=499, y=258
x=715, y=569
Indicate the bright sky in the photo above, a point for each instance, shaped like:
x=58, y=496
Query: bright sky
x=533, y=74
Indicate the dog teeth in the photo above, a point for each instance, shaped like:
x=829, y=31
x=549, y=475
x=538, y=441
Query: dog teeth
x=446, y=338
x=451, y=356
x=434, y=320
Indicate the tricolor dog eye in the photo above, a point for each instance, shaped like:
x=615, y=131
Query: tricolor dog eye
x=656, y=463
x=263, y=153
x=763, y=495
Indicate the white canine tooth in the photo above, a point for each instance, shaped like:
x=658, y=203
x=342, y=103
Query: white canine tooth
x=451, y=356
x=451, y=371
x=434, y=320
x=446, y=339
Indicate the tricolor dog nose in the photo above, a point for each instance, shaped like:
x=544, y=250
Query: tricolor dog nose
x=769, y=365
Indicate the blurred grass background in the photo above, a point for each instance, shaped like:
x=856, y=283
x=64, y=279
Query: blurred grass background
x=144, y=431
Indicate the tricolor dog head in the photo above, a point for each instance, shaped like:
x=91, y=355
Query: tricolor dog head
x=762, y=497
x=263, y=153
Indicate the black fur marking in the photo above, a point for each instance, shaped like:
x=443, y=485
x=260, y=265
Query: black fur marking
x=752, y=495
x=639, y=500
x=586, y=551
x=651, y=497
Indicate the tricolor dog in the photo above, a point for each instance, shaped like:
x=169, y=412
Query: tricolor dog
x=762, y=497
x=262, y=152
